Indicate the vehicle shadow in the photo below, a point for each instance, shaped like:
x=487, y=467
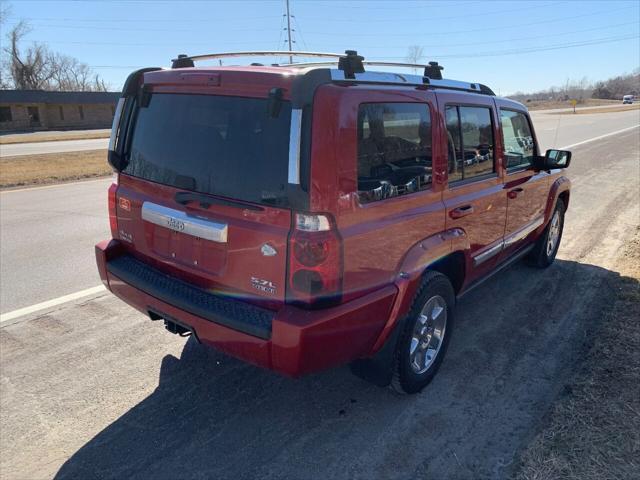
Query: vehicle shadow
x=517, y=340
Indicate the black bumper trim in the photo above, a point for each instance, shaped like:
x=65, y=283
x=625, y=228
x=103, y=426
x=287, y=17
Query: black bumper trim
x=232, y=313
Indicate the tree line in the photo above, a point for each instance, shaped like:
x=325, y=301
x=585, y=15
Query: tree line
x=614, y=89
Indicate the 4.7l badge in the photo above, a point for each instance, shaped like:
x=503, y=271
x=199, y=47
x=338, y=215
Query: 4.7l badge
x=263, y=285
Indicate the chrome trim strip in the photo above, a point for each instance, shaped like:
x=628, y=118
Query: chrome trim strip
x=523, y=232
x=115, y=125
x=181, y=222
x=487, y=254
x=508, y=241
x=294, y=146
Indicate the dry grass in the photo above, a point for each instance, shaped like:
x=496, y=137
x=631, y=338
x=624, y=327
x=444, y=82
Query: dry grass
x=617, y=108
x=53, y=136
x=594, y=428
x=52, y=167
x=552, y=104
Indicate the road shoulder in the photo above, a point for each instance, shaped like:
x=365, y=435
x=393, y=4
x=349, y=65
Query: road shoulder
x=592, y=431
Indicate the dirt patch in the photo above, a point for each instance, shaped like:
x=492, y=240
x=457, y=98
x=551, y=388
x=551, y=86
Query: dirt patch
x=53, y=137
x=52, y=167
x=593, y=429
x=617, y=108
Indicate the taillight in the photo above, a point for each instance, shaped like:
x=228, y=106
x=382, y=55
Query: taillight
x=113, y=216
x=315, y=261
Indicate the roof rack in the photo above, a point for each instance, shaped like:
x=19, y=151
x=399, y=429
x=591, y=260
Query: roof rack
x=349, y=61
x=350, y=64
x=432, y=69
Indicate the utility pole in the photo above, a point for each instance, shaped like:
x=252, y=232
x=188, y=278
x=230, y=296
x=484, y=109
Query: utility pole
x=289, y=31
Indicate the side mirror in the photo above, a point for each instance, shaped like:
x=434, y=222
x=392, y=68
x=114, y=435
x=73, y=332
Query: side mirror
x=553, y=159
x=557, y=158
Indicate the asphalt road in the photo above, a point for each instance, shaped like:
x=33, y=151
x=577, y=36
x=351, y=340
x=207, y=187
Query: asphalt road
x=47, y=237
x=92, y=389
x=34, y=148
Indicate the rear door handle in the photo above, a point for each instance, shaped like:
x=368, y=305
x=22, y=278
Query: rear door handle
x=461, y=211
x=514, y=193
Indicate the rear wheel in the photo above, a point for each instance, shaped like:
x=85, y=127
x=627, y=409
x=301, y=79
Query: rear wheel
x=426, y=335
x=546, y=247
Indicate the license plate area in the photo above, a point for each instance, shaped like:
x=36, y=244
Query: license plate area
x=181, y=222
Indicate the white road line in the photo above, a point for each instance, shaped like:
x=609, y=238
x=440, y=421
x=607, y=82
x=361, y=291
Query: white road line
x=63, y=184
x=6, y=317
x=599, y=137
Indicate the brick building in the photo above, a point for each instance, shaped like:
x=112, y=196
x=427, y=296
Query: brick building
x=27, y=110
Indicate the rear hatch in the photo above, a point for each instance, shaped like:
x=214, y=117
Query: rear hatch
x=202, y=196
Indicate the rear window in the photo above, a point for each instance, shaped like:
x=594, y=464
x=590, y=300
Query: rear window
x=227, y=146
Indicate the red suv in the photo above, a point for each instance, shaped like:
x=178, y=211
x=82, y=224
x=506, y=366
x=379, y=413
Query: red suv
x=303, y=216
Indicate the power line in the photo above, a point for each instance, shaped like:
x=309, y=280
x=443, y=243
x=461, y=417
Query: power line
x=299, y=30
x=431, y=18
x=268, y=17
x=147, y=20
x=367, y=47
x=473, y=55
x=520, y=51
x=483, y=29
x=138, y=29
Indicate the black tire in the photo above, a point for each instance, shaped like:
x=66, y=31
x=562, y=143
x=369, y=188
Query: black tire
x=406, y=379
x=541, y=256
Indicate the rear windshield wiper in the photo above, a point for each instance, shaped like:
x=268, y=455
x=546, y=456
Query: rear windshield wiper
x=205, y=201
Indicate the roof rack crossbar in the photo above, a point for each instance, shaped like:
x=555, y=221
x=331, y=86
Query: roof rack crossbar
x=264, y=53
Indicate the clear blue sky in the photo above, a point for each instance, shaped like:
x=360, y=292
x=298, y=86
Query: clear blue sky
x=508, y=45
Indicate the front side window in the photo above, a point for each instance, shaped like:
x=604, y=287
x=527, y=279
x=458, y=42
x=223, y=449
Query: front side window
x=394, y=149
x=519, y=146
x=470, y=142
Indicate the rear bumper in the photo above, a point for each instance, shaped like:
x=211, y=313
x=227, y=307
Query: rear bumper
x=292, y=341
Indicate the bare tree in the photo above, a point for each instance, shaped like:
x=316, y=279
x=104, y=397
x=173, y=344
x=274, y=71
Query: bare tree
x=415, y=53
x=5, y=11
x=30, y=70
x=38, y=68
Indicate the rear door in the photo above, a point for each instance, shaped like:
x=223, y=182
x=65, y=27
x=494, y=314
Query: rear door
x=526, y=189
x=203, y=194
x=475, y=201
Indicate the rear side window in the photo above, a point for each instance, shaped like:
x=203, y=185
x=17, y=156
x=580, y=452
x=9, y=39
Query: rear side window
x=227, y=146
x=470, y=142
x=519, y=147
x=394, y=149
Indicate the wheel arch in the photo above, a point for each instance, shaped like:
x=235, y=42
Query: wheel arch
x=560, y=189
x=445, y=253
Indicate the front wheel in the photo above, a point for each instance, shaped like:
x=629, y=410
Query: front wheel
x=426, y=335
x=546, y=247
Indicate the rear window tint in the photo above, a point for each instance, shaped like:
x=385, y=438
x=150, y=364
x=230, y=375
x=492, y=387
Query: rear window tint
x=227, y=146
x=394, y=149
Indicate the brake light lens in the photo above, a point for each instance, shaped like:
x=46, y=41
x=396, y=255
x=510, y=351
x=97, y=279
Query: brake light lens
x=112, y=201
x=315, y=261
